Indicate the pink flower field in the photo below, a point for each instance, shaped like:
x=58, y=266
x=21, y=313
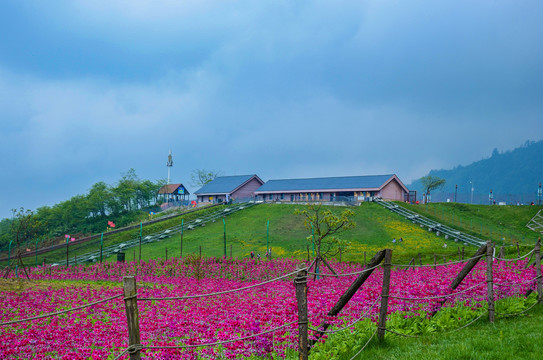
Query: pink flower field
x=100, y=331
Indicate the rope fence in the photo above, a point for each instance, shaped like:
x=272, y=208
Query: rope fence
x=434, y=265
x=381, y=259
x=219, y=292
x=61, y=312
x=438, y=296
x=347, y=274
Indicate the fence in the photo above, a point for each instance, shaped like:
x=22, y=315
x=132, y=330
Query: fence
x=91, y=249
x=382, y=258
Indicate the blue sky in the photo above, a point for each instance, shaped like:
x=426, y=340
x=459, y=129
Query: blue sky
x=90, y=89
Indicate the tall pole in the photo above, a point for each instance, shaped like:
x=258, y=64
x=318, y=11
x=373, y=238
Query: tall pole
x=539, y=194
x=141, y=232
x=37, y=252
x=181, y=244
x=471, y=182
x=455, y=191
x=224, y=233
x=268, y=237
x=101, y=247
x=490, y=197
x=9, y=252
x=169, y=164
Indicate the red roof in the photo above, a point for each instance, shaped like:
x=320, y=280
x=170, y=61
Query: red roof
x=171, y=189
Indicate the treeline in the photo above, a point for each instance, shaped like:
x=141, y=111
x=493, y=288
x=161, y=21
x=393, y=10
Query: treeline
x=518, y=171
x=124, y=202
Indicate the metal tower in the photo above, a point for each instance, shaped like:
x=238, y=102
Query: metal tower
x=169, y=164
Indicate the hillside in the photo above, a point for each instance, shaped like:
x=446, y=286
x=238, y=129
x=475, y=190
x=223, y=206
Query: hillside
x=512, y=175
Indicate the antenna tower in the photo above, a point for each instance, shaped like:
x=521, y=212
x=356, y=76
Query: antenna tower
x=169, y=164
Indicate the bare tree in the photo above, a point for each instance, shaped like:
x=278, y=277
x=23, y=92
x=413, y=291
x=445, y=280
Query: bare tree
x=325, y=226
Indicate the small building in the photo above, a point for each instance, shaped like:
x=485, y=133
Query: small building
x=173, y=193
x=350, y=188
x=229, y=188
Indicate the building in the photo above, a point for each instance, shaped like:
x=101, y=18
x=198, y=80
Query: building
x=173, y=193
x=352, y=188
x=228, y=188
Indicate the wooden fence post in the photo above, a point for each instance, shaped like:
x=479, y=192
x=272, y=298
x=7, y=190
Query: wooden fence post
x=435, y=260
x=301, y=297
x=464, y=272
x=166, y=254
x=537, y=252
x=349, y=293
x=489, y=281
x=463, y=250
x=381, y=329
x=132, y=315
x=307, y=252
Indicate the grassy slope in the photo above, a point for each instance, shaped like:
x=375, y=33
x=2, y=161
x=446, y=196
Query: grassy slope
x=246, y=232
x=376, y=226
x=501, y=224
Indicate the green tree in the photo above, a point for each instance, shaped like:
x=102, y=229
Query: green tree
x=430, y=183
x=324, y=226
x=98, y=197
x=200, y=177
x=24, y=228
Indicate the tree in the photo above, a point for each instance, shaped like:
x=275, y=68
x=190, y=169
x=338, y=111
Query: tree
x=430, y=183
x=324, y=227
x=24, y=228
x=200, y=177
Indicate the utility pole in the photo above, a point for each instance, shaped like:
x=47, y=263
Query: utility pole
x=471, y=182
x=455, y=191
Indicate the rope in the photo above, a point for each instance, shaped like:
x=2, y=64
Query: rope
x=348, y=326
x=445, y=264
x=358, y=353
x=60, y=312
x=515, y=259
x=515, y=314
x=220, y=292
x=468, y=324
x=132, y=349
x=404, y=335
x=437, y=296
x=138, y=347
x=348, y=274
x=522, y=283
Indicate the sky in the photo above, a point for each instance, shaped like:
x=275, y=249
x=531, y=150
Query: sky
x=282, y=89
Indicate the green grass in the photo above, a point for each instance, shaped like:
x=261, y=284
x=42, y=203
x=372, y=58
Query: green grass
x=375, y=229
x=512, y=338
x=246, y=232
x=501, y=224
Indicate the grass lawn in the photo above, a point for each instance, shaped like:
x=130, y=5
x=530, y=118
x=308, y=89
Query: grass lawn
x=246, y=232
x=376, y=227
x=500, y=224
x=511, y=338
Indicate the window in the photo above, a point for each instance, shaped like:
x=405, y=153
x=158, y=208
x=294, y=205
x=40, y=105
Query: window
x=282, y=196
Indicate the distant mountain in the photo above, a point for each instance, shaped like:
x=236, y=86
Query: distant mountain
x=512, y=176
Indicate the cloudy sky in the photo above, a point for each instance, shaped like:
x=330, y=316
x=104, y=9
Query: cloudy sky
x=90, y=89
